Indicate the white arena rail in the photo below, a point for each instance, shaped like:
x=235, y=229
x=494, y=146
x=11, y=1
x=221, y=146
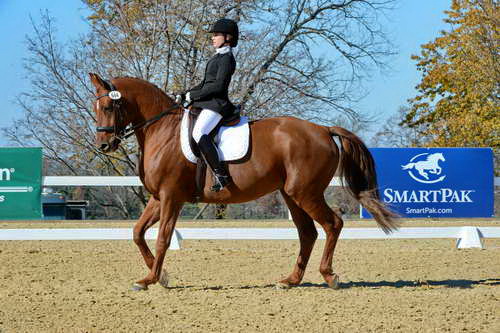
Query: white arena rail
x=126, y=181
x=467, y=237
x=91, y=181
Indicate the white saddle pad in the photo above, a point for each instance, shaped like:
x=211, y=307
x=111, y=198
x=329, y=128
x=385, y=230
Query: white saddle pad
x=232, y=142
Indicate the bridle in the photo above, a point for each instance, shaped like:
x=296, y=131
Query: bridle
x=116, y=109
x=124, y=132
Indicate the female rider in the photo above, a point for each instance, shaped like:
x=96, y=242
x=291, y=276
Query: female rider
x=211, y=95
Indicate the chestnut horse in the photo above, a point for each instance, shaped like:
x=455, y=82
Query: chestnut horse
x=295, y=156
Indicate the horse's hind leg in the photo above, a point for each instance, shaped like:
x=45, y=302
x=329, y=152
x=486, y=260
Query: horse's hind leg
x=307, y=235
x=332, y=224
x=149, y=217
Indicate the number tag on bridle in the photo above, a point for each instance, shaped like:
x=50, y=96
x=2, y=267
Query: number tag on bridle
x=115, y=95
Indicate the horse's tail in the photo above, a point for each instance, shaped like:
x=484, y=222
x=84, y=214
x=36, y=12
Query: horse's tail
x=408, y=166
x=357, y=169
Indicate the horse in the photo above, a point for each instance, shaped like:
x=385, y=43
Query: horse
x=430, y=164
x=294, y=156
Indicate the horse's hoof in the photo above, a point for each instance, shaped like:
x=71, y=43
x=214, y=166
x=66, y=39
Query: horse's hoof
x=334, y=281
x=163, y=279
x=282, y=286
x=139, y=287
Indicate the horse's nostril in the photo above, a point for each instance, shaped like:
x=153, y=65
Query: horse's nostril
x=104, y=146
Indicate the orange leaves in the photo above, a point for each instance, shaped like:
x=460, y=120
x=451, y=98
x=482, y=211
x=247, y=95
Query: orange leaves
x=458, y=94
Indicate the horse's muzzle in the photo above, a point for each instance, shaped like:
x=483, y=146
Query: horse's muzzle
x=109, y=146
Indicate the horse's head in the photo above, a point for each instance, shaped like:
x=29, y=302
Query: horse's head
x=439, y=157
x=111, y=119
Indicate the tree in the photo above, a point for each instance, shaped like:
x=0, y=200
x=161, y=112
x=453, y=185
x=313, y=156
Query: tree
x=457, y=101
x=395, y=133
x=315, y=56
x=296, y=57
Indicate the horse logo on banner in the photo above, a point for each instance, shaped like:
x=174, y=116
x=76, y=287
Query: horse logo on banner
x=428, y=169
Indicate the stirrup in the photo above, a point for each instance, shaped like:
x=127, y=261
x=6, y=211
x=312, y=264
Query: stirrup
x=221, y=181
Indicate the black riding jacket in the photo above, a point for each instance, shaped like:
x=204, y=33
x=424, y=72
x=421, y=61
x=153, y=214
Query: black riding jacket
x=212, y=92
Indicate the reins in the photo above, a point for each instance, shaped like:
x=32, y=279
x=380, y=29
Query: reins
x=131, y=130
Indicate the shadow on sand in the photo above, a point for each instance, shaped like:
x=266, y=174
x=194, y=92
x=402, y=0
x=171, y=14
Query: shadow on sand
x=463, y=284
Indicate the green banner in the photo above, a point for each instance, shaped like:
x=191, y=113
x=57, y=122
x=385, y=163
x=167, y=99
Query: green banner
x=20, y=183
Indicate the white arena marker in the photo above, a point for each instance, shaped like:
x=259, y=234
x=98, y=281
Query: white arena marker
x=470, y=238
x=175, y=242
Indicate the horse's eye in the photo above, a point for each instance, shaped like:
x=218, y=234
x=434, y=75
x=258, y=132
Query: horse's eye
x=108, y=108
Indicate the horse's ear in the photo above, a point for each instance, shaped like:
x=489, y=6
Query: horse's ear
x=96, y=81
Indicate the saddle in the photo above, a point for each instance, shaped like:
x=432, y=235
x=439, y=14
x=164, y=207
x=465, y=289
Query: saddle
x=201, y=166
x=232, y=120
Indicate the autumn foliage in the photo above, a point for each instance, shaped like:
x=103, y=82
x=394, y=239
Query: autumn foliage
x=457, y=101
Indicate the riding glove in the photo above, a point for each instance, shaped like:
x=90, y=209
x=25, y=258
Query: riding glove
x=183, y=99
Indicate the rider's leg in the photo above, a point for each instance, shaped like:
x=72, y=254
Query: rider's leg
x=207, y=120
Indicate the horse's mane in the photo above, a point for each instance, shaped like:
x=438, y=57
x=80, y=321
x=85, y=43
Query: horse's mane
x=157, y=92
x=152, y=85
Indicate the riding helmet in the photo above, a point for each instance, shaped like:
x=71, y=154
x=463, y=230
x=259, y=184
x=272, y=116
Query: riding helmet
x=227, y=26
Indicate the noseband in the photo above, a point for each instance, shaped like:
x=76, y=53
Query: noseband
x=121, y=134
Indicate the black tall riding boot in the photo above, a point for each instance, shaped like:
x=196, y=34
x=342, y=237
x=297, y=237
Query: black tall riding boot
x=209, y=152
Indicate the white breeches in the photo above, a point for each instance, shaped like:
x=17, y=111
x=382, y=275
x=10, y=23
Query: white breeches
x=207, y=120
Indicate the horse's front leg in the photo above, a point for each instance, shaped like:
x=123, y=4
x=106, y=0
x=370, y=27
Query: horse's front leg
x=169, y=211
x=149, y=217
x=422, y=172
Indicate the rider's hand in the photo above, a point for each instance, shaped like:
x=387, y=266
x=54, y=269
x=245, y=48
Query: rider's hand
x=183, y=99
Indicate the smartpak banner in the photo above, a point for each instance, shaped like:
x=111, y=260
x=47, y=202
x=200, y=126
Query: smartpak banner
x=20, y=183
x=436, y=182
